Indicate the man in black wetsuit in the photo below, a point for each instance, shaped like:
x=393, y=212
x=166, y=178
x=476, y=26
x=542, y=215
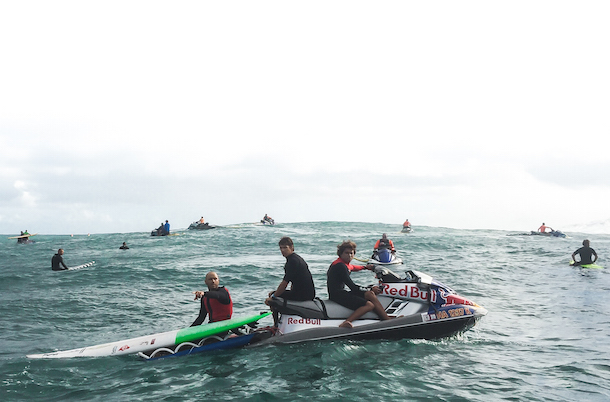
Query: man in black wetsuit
x=296, y=273
x=58, y=260
x=216, y=302
x=360, y=300
x=585, y=253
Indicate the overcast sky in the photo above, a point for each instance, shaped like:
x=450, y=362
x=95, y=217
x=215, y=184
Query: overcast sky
x=117, y=115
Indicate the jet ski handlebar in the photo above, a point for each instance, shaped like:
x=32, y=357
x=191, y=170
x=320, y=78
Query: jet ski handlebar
x=386, y=275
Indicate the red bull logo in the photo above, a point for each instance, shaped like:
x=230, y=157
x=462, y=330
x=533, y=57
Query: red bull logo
x=122, y=348
x=306, y=321
x=406, y=291
x=454, y=299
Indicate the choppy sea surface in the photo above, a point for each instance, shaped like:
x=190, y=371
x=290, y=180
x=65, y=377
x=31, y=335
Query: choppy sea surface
x=546, y=337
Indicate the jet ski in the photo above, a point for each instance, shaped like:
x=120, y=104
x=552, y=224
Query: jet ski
x=421, y=307
x=554, y=233
x=201, y=226
x=406, y=229
x=384, y=257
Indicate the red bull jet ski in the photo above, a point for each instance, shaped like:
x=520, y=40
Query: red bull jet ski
x=421, y=307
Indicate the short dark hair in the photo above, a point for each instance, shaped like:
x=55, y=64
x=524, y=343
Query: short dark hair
x=286, y=241
x=345, y=245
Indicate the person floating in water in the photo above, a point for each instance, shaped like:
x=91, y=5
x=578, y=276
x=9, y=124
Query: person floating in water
x=216, y=302
x=124, y=246
x=58, y=261
x=585, y=253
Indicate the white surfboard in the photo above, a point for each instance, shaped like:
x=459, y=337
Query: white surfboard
x=81, y=266
x=154, y=341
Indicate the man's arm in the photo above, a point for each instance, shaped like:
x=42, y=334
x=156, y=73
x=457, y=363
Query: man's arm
x=281, y=288
x=202, y=314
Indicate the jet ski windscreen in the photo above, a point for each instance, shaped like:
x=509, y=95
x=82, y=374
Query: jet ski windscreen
x=384, y=255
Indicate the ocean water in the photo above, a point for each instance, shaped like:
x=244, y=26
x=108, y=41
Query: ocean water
x=546, y=337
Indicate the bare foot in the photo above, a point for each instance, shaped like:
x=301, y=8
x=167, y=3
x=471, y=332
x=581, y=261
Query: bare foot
x=346, y=324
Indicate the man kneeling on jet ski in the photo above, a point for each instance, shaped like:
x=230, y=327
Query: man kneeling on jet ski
x=357, y=299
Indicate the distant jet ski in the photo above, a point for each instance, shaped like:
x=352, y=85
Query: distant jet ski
x=554, y=233
x=424, y=309
x=201, y=226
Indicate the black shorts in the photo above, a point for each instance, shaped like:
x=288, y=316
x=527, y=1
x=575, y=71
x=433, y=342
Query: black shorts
x=352, y=300
x=294, y=296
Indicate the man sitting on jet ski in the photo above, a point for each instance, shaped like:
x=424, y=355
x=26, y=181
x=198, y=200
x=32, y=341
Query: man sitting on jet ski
x=383, y=243
x=357, y=299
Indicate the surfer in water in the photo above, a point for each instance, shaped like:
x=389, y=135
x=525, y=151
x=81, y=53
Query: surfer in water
x=58, y=260
x=124, y=246
x=585, y=253
x=216, y=302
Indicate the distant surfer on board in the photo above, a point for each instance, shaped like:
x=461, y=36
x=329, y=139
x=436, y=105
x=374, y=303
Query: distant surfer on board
x=585, y=253
x=58, y=260
x=216, y=302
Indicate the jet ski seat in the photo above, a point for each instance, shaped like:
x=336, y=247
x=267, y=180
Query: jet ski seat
x=322, y=309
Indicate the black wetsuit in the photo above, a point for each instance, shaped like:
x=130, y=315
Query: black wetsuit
x=56, y=261
x=337, y=277
x=297, y=273
x=585, y=255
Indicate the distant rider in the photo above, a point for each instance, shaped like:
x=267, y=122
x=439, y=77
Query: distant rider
x=384, y=243
x=407, y=224
x=585, y=253
x=543, y=228
x=216, y=302
x=166, y=227
x=58, y=260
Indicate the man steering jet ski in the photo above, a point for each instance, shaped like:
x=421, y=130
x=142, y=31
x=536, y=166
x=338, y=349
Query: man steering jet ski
x=384, y=252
